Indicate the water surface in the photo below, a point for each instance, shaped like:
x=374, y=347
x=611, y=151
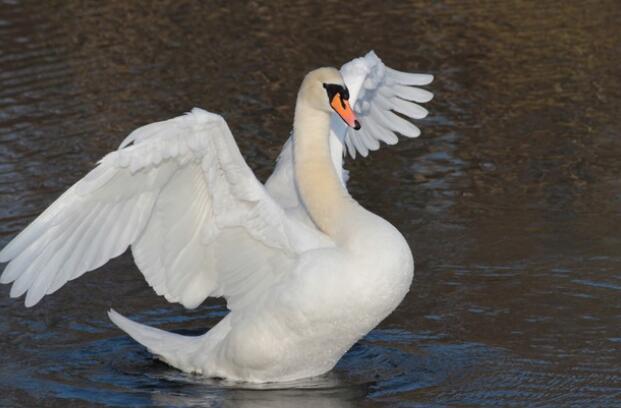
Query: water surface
x=510, y=199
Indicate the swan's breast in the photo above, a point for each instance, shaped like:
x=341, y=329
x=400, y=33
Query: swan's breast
x=384, y=264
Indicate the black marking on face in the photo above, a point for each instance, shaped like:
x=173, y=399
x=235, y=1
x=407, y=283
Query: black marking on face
x=333, y=89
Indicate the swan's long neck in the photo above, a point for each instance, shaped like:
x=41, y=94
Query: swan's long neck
x=325, y=198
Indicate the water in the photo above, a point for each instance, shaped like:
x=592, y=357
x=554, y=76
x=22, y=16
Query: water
x=510, y=199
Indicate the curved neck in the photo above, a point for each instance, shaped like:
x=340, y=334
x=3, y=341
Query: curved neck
x=323, y=195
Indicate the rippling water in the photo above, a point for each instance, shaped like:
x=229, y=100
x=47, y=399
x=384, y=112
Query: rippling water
x=510, y=199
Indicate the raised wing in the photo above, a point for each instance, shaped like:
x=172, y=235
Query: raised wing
x=378, y=94
x=180, y=193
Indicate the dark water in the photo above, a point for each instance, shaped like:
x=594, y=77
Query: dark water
x=511, y=199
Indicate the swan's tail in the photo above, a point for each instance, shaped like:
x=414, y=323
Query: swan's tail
x=173, y=349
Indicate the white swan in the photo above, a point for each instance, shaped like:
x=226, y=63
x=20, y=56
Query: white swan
x=306, y=271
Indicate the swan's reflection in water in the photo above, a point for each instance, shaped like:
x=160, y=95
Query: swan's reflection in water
x=341, y=388
x=319, y=394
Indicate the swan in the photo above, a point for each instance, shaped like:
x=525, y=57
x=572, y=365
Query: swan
x=306, y=271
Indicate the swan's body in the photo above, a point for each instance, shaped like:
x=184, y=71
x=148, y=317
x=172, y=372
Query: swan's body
x=305, y=269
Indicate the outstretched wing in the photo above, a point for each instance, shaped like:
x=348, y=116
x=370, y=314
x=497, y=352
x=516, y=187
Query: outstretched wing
x=381, y=98
x=180, y=193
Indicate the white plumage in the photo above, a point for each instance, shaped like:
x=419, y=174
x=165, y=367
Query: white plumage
x=305, y=270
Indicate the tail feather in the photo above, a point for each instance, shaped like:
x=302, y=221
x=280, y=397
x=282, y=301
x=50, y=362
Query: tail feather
x=172, y=348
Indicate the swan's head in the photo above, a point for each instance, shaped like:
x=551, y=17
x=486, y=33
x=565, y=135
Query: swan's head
x=324, y=89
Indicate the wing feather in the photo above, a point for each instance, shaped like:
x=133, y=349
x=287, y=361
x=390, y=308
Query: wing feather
x=412, y=110
x=408, y=78
x=408, y=93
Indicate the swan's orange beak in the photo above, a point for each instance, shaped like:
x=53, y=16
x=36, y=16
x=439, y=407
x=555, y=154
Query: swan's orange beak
x=341, y=106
